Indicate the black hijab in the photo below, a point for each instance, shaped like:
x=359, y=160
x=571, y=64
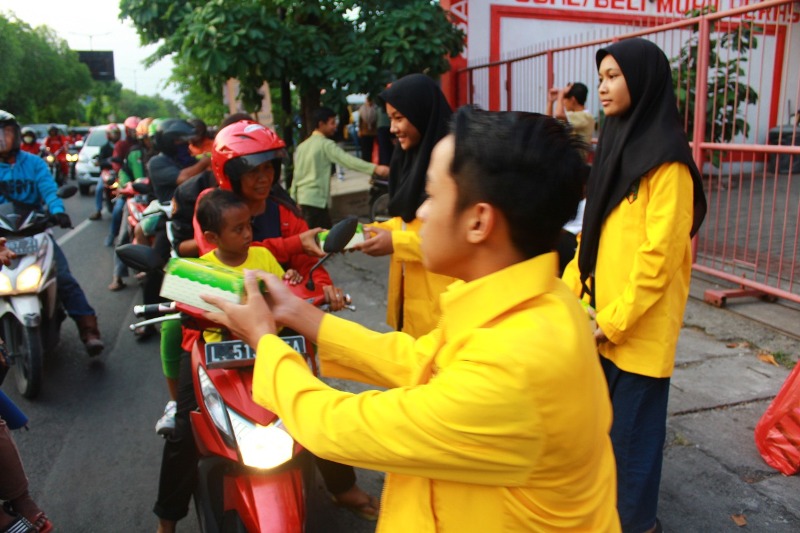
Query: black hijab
x=649, y=134
x=421, y=101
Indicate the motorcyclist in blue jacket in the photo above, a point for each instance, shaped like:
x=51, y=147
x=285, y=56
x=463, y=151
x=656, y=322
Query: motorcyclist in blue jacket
x=25, y=179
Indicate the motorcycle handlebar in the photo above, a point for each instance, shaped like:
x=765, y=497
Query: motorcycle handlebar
x=154, y=309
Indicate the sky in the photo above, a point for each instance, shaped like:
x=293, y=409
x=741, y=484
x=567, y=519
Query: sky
x=95, y=25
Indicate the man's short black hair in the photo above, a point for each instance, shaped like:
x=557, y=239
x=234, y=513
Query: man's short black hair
x=236, y=117
x=212, y=206
x=579, y=91
x=528, y=166
x=323, y=114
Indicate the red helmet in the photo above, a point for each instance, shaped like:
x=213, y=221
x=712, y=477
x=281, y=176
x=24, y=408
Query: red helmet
x=241, y=147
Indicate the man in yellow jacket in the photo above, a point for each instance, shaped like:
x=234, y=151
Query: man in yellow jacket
x=498, y=419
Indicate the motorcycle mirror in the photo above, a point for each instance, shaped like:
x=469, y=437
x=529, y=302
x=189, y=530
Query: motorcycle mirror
x=141, y=187
x=338, y=237
x=139, y=257
x=67, y=191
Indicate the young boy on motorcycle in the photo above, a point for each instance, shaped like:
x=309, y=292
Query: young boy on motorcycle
x=24, y=179
x=225, y=222
x=498, y=419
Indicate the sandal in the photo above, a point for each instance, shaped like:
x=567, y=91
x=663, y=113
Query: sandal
x=117, y=285
x=42, y=523
x=20, y=524
x=366, y=510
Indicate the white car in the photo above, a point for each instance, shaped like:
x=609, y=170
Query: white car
x=86, y=170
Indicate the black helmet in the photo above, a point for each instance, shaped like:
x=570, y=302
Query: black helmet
x=52, y=130
x=171, y=132
x=7, y=119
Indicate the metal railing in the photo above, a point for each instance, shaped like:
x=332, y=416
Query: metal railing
x=736, y=74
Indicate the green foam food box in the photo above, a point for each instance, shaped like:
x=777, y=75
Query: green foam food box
x=186, y=279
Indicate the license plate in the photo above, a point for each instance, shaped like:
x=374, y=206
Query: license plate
x=231, y=354
x=23, y=246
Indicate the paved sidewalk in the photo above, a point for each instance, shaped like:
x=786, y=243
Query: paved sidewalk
x=712, y=471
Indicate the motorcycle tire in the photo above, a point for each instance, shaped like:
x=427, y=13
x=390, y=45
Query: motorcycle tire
x=25, y=345
x=379, y=210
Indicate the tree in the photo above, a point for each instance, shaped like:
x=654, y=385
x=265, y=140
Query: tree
x=204, y=102
x=335, y=46
x=42, y=78
x=728, y=94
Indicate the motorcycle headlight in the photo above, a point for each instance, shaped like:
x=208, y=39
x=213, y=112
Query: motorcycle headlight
x=5, y=284
x=261, y=446
x=215, y=406
x=72, y=157
x=50, y=158
x=29, y=278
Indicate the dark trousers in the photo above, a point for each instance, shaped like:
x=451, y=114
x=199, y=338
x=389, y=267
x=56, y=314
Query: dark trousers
x=152, y=283
x=637, y=435
x=316, y=217
x=69, y=291
x=178, y=475
x=365, y=142
x=179, y=460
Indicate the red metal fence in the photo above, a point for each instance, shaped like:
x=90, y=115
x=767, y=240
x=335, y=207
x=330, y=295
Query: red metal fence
x=737, y=79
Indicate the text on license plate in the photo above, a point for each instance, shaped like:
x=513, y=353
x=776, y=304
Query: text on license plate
x=237, y=353
x=23, y=246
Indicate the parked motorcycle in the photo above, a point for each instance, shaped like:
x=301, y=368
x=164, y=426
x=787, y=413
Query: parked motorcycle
x=30, y=312
x=251, y=473
x=379, y=199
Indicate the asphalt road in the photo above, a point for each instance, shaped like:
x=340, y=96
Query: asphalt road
x=91, y=455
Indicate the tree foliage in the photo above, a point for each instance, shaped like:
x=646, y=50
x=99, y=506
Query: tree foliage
x=727, y=92
x=42, y=78
x=333, y=47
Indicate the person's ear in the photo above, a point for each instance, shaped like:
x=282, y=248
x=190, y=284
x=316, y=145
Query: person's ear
x=211, y=237
x=481, y=221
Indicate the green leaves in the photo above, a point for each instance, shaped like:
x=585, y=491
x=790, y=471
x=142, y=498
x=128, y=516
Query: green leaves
x=728, y=94
x=323, y=44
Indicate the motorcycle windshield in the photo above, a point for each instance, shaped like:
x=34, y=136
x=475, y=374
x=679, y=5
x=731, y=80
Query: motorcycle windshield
x=20, y=219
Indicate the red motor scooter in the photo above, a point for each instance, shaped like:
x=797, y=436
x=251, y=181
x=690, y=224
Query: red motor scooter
x=252, y=475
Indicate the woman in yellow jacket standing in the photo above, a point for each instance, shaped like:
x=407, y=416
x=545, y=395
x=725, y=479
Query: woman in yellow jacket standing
x=420, y=116
x=644, y=202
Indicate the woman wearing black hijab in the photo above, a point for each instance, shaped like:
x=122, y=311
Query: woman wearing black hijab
x=420, y=117
x=644, y=203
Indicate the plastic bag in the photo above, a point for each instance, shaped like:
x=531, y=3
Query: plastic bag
x=777, y=434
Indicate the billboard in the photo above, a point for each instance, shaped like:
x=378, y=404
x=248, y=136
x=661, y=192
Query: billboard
x=100, y=63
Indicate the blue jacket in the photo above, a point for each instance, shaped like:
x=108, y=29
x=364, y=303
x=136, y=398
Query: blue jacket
x=28, y=181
